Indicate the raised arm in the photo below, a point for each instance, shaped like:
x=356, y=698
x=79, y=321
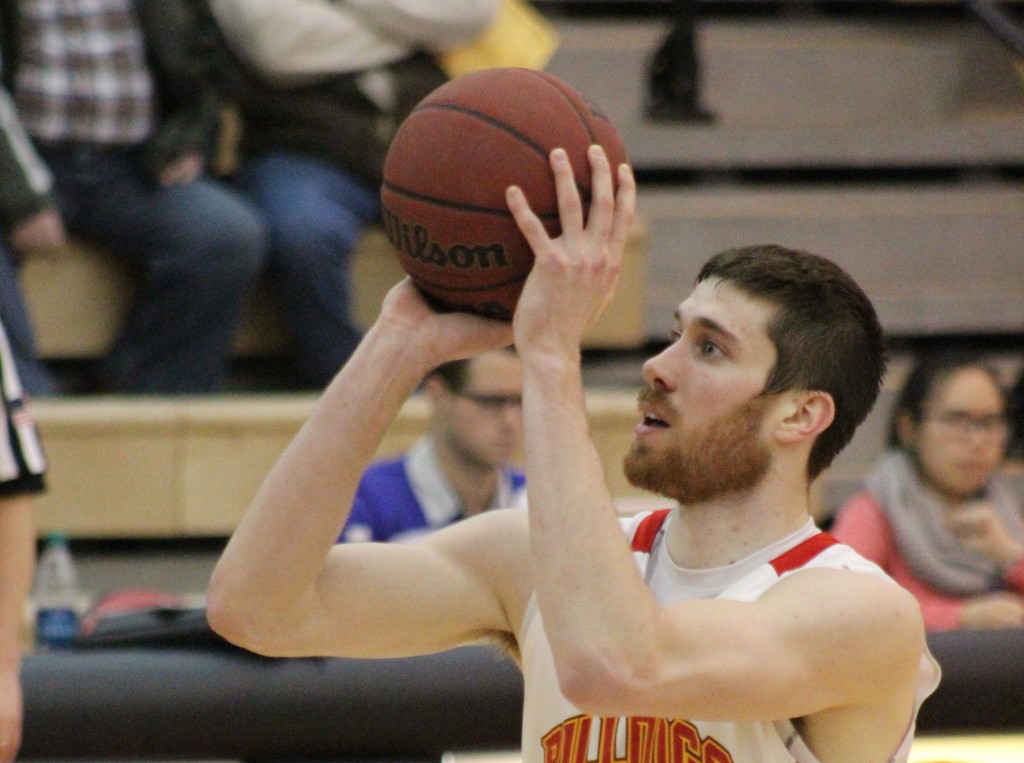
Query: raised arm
x=283, y=588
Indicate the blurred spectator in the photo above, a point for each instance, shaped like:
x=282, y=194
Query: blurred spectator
x=321, y=87
x=936, y=515
x=118, y=100
x=462, y=467
x=673, y=72
x=1015, y=449
x=22, y=469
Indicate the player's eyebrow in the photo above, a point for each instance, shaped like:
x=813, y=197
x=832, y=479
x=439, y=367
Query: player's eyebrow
x=709, y=324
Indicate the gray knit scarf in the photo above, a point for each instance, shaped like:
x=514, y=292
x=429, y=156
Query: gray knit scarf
x=936, y=556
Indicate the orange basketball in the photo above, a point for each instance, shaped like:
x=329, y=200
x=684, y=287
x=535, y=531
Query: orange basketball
x=449, y=165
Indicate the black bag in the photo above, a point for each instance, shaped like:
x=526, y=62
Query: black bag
x=152, y=627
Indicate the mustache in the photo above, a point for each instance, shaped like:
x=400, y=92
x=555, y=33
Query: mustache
x=656, y=397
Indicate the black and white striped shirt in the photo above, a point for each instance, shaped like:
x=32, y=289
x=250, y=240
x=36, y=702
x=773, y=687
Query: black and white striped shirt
x=22, y=462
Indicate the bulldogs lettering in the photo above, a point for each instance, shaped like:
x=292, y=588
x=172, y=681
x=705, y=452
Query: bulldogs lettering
x=630, y=740
x=414, y=241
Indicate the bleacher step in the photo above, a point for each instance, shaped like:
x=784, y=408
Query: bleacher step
x=935, y=259
x=812, y=93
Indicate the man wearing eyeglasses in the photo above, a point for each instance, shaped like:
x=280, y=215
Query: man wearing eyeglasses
x=462, y=467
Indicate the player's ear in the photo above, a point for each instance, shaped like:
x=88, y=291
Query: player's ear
x=805, y=414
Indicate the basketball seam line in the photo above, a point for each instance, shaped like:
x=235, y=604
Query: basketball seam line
x=459, y=205
x=533, y=145
x=478, y=287
x=572, y=104
x=536, y=147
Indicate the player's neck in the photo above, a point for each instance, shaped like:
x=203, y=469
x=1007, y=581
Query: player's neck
x=732, y=527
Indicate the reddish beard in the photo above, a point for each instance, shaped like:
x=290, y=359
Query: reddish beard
x=727, y=457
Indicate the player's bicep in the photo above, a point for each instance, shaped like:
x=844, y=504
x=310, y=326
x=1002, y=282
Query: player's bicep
x=822, y=639
x=453, y=586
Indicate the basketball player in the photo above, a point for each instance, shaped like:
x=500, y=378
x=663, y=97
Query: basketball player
x=747, y=635
x=22, y=469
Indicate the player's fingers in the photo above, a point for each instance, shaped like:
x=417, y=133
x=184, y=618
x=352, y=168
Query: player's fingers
x=529, y=224
x=625, y=207
x=601, y=216
x=570, y=207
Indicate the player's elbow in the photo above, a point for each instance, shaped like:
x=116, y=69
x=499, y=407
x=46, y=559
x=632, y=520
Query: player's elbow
x=231, y=615
x=599, y=683
x=224, y=614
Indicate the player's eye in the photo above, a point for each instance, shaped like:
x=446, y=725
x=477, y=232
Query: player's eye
x=709, y=349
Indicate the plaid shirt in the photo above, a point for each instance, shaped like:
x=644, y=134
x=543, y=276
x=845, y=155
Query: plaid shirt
x=82, y=74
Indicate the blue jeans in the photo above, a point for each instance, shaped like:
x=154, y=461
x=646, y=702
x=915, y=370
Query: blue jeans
x=35, y=378
x=316, y=213
x=197, y=249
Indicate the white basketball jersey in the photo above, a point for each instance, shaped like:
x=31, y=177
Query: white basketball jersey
x=554, y=731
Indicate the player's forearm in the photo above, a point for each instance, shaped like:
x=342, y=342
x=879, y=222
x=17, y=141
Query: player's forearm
x=593, y=602
x=271, y=565
x=17, y=567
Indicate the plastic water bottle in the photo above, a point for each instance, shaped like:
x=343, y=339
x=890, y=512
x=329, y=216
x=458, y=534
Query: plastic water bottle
x=56, y=595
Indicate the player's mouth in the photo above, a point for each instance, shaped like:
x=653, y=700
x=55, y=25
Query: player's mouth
x=650, y=401
x=650, y=420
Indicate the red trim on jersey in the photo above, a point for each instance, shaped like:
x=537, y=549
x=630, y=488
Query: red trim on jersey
x=798, y=556
x=647, y=530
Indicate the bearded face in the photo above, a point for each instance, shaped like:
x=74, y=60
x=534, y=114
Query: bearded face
x=725, y=456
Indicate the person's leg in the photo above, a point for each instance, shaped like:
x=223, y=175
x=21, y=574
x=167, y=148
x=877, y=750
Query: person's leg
x=198, y=248
x=35, y=377
x=673, y=71
x=315, y=213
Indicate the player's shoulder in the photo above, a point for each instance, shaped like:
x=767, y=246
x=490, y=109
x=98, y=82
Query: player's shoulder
x=857, y=599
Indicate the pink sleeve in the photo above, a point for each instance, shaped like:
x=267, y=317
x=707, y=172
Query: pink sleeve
x=941, y=613
x=862, y=525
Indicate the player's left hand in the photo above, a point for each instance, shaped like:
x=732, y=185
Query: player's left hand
x=434, y=337
x=574, y=275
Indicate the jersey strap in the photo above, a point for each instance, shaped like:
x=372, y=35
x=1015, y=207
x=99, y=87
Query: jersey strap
x=799, y=555
x=796, y=557
x=647, y=530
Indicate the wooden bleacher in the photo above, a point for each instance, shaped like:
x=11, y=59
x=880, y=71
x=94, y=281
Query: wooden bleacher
x=188, y=467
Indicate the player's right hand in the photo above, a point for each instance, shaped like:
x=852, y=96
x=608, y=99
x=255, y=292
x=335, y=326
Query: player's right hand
x=574, y=274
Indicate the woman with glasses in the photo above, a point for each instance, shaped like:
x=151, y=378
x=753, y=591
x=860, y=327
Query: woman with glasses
x=935, y=513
